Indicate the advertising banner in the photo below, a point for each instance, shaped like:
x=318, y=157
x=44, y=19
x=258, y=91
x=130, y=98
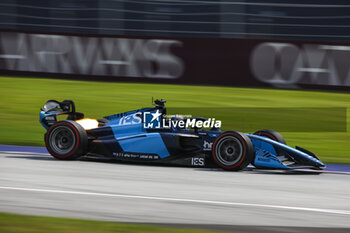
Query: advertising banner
x=207, y=61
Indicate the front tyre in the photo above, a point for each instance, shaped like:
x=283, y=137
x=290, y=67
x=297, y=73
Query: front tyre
x=66, y=140
x=233, y=151
x=271, y=134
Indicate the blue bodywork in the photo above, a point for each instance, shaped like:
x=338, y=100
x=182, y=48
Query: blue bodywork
x=45, y=115
x=124, y=137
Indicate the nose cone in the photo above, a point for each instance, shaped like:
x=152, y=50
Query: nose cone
x=320, y=164
x=310, y=158
x=317, y=163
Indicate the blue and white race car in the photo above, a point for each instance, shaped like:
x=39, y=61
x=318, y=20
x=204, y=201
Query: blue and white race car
x=146, y=135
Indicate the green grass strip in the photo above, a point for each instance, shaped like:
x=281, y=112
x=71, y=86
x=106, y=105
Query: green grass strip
x=10, y=223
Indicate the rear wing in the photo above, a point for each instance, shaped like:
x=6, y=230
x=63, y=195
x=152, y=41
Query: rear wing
x=53, y=108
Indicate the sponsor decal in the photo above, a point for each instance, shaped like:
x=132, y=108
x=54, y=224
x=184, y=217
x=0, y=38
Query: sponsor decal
x=207, y=145
x=50, y=118
x=131, y=119
x=126, y=155
x=126, y=118
x=197, y=161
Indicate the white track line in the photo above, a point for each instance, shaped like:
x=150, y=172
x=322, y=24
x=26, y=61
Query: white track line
x=329, y=211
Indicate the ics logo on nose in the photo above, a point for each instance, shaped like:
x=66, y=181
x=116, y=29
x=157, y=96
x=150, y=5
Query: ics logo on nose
x=152, y=120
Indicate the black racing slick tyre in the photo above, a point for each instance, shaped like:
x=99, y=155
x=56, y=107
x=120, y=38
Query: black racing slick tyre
x=66, y=140
x=233, y=151
x=271, y=134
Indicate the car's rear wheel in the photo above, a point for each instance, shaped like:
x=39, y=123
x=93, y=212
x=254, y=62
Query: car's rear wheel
x=66, y=140
x=233, y=151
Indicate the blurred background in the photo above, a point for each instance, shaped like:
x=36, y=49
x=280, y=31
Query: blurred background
x=245, y=43
x=323, y=20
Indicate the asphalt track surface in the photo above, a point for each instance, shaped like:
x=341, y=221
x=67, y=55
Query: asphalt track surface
x=246, y=201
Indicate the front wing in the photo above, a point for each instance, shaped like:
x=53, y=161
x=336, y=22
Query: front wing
x=272, y=154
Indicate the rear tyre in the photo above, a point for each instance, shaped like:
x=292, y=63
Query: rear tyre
x=66, y=140
x=271, y=134
x=233, y=151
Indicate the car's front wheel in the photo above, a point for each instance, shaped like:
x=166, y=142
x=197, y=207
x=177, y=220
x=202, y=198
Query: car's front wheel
x=271, y=134
x=233, y=151
x=66, y=140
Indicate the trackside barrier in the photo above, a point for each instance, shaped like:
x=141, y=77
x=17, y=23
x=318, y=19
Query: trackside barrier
x=209, y=61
